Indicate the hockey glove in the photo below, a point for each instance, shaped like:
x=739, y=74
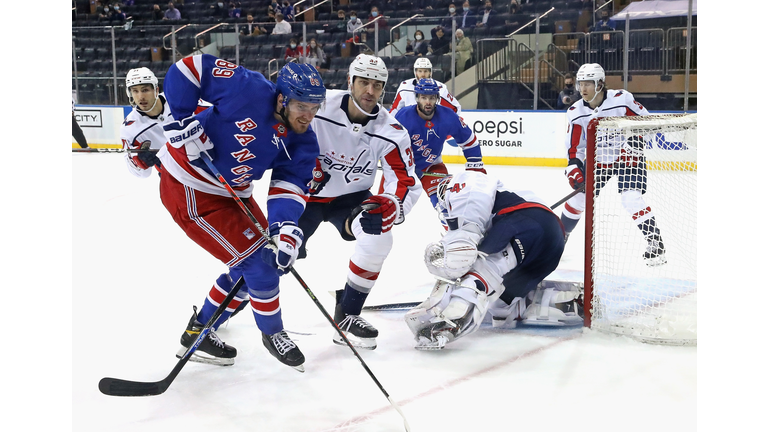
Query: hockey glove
x=575, y=173
x=145, y=160
x=286, y=241
x=319, y=179
x=190, y=134
x=379, y=213
x=475, y=164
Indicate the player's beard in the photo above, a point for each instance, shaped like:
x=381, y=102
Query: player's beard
x=293, y=123
x=421, y=109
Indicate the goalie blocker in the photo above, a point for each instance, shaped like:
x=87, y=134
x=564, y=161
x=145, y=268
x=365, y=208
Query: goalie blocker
x=500, y=245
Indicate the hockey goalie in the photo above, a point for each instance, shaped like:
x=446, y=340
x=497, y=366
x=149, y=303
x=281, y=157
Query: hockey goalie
x=499, y=247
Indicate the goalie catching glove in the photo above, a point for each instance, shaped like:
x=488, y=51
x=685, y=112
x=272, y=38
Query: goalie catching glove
x=281, y=253
x=190, y=134
x=380, y=212
x=575, y=173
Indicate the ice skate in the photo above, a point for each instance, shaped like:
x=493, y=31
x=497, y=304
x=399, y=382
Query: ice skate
x=655, y=253
x=211, y=350
x=284, y=349
x=359, y=332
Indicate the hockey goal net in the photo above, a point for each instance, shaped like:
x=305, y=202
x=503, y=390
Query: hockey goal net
x=622, y=293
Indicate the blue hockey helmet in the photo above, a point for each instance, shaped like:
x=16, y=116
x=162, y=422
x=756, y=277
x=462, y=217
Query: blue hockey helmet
x=427, y=86
x=301, y=82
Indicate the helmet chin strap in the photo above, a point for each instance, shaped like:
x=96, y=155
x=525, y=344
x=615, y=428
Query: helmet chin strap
x=597, y=92
x=282, y=115
x=157, y=97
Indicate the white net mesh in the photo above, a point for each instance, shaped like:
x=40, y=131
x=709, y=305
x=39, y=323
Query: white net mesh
x=651, y=303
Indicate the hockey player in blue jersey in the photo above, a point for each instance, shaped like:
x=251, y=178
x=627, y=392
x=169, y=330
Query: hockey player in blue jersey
x=428, y=124
x=254, y=126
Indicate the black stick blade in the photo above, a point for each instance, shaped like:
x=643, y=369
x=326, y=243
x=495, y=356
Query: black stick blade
x=118, y=387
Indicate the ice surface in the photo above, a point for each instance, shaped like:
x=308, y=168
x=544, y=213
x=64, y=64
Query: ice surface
x=136, y=276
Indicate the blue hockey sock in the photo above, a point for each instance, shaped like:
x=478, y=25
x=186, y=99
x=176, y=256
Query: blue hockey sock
x=352, y=300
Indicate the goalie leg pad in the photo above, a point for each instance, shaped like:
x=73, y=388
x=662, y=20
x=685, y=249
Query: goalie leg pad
x=555, y=303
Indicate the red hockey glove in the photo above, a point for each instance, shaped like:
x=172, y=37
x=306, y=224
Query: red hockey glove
x=319, y=179
x=379, y=213
x=575, y=173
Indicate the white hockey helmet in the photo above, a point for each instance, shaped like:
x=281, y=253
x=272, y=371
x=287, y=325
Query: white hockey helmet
x=138, y=76
x=422, y=63
x=591, y=72
x=367, y=66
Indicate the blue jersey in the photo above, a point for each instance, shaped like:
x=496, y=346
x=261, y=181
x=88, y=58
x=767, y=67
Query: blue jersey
x=247, y=138
x=428, y=136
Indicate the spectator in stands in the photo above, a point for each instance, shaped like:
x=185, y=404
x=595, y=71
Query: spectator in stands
x=287, y=11
x=281, y=25
x=514, y=7
x=422, y=4
x=116, y=15
x=602, y=25
x=315, y=55
x=172, y=14
x=468, y=18
x=234, y=10
x=272, y=11
x=452, y=16
x=568, y=95
x=251, y=28
x=296, y=10
x=440, y=41
x=341, y=25
x=293, y=50
x=354, y=22
x=104, y=13
x=219, y=10
x=488, y=17
x=382, y=22
x=157, y=13
x=464, y=51
x=419, y=47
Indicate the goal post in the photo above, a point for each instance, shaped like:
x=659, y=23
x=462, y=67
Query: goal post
x=622, y=294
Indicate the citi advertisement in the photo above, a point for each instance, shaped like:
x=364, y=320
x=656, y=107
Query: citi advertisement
x=516, y=138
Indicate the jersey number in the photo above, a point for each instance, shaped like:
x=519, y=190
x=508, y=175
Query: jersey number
x=409, y=152
x=225, y=69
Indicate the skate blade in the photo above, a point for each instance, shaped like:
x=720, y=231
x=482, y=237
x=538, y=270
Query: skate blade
x=657, y=261
x=205, y=358
x=360, y=343
x=299, y=368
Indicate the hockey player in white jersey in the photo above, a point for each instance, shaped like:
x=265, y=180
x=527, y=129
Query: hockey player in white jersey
x=500, y=245
x=142, y=129
x=355, y=134
x=406, y=96
x=627, y=162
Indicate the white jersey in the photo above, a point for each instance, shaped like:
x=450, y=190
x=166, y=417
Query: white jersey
x=406, y=96
x=470, y=198
x=350, y=152
x=617, y=103
x=140, y=130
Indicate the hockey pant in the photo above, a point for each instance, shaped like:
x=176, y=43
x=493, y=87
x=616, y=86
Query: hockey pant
x=537, y=241
x=218, y=225
x=632, y=176
x=370, y=250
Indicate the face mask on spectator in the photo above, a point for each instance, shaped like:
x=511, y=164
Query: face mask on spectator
x=374, y=14
x=293, y=45
x=353, y=18
x=418, y=37
x=451, y=10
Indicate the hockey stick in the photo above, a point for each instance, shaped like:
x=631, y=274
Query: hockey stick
x=120, y=387
x=209, y=163
x=110, y=150
x=567, y=197
x=408, y=305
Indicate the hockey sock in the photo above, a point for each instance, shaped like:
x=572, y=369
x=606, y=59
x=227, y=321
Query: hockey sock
x=352, y=300
x=649, y=227
x=568, y=223
x=216, y=295
x=266, y=310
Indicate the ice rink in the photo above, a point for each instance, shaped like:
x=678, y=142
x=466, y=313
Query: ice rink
x=135, y=277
